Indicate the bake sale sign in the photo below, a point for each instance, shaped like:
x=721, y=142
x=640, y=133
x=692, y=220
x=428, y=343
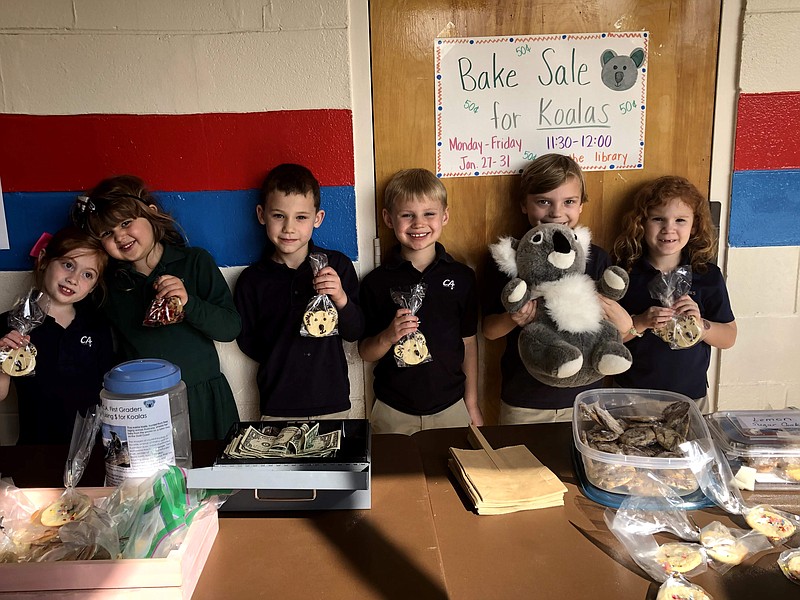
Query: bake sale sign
x=502, y=101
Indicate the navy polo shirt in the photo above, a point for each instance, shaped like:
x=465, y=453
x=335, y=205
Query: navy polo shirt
x=449, y=313
x=70, y=364
x=519, y=388
x=297, y=375
x=655, y=365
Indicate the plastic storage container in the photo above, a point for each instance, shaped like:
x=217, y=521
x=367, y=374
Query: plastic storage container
x=145, y=421
x=627, y=474
x=767, y=440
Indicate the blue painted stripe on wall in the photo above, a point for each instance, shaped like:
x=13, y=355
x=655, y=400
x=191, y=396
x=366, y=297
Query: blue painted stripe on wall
x=765, y=209
x=222, y=222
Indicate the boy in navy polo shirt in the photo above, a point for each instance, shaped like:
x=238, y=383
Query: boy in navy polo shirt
x=298, y=377
x=441, y=392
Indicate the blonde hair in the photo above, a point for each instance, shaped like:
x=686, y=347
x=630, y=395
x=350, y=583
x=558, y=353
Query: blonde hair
x=701, y=249
x=549, y=171
x=414, y=183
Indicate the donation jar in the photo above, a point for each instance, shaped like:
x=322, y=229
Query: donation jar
x=145, y=423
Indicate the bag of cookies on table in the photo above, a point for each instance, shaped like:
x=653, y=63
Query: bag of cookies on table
x=321, y=319
x=27, y=314
x=681, y=331
x=411, y=349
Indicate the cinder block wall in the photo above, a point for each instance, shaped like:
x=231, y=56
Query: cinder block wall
x=763, y=263
x=144, y=57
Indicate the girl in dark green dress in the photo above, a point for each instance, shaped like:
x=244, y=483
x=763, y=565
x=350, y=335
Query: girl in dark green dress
x=150, y=260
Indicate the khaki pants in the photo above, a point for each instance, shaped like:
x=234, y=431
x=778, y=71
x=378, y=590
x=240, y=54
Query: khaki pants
x=385, y=419
x=515, y=415
x=337, y=415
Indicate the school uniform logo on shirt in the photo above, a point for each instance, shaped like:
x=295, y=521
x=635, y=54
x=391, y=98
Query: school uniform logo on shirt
x=86, y=340
x=449, y=283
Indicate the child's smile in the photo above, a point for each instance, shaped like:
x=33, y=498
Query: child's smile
x=667, y=230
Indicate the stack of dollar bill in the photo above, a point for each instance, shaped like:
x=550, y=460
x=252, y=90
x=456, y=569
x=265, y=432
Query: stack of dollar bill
x=268, y=441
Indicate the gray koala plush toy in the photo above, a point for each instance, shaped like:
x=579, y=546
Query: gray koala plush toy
x=569, y=343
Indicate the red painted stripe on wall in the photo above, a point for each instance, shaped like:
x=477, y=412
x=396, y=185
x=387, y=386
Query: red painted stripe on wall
x=220, y=151
x=767, y=132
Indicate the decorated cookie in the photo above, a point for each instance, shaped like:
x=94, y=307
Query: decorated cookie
x=679, y=558
x=789, y=562
x=768, y=522
x=321, y=323
x=674, y=589
x=412, y=349
x=682, y=332
x=65, y=510
x=722, y=545
x=20, y=361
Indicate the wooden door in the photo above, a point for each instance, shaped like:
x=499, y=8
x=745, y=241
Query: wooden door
x=680, y=92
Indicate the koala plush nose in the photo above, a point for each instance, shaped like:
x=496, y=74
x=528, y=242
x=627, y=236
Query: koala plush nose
x=561, y=243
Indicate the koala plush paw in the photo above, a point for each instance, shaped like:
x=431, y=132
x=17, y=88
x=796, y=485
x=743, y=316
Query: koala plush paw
x=568, y=369
x=611, y=364
x=614, y=283
x=518, y=293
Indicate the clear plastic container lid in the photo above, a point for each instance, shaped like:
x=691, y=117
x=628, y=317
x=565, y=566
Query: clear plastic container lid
x=757, y=433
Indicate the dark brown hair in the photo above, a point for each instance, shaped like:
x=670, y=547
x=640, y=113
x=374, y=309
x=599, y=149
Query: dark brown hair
x=119, y=198
x=701, y=249
x=290, y=179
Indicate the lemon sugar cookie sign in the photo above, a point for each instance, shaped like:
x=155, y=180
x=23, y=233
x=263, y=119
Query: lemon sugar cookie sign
x=503, y=101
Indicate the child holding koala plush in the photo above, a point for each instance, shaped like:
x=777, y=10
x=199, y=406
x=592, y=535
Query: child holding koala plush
x=670, y=225
x=297, y=305
x=422, y=317
x=551, y=191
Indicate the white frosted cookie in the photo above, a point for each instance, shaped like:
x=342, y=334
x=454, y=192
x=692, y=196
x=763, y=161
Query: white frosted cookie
x=320, y=323
x=20, y=361
x=413, y=350
x=681, y=590
x=65, y=510
x=722, y=546
x=764, y=520
x=679, y=558
x=790, y=564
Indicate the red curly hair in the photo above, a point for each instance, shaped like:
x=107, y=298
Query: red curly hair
x=701, y=249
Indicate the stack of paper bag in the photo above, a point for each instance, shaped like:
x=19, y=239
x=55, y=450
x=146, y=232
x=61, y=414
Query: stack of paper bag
x=505, y=480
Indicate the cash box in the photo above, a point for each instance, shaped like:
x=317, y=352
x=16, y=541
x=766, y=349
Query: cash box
x=765, y=440
x=341, y=481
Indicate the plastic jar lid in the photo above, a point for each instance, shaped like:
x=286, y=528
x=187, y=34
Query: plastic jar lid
x=142, y=377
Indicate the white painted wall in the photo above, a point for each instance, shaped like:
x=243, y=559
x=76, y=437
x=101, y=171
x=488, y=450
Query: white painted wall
x=191, y=56
x=763, y=369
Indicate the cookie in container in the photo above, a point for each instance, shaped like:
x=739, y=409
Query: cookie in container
x=625, y=435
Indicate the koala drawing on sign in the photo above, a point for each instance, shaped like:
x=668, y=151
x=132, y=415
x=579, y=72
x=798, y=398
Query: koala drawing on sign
x=569, y=343
x=619, y=72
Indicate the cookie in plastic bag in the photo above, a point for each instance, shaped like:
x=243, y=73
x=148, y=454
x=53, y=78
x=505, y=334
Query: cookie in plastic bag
x=682, y=331
x=164, y=311
x=28, y=313
x=411, y=349
x=321, y=319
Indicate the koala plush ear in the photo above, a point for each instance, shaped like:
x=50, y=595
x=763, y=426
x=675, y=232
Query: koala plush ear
x=504, y=253
x=584, y=238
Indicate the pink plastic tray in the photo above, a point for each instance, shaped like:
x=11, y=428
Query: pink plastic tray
x=165, y=578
